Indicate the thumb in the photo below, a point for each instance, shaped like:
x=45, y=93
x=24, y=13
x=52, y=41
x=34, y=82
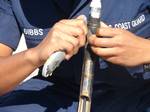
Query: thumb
x=82, y=17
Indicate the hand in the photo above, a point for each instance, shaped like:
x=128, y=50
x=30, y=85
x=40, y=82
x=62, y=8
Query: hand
x=68, y=35
x=120, y=47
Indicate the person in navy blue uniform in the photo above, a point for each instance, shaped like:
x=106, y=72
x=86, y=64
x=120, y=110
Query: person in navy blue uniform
x=122, y=74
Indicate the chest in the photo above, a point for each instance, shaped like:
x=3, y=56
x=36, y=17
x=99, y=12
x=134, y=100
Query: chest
x=35, y=21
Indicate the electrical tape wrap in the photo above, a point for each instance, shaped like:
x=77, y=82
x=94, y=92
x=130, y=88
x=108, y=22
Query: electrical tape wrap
x=52, y=63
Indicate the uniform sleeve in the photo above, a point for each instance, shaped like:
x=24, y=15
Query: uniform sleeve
x=9, y=30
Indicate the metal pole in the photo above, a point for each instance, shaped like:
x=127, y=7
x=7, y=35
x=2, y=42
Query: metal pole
x=86, y=86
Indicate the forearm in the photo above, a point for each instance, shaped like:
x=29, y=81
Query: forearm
x=14, y=69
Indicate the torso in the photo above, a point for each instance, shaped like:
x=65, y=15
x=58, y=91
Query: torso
x=132, y=15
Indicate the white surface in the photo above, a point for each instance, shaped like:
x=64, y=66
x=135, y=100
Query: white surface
x=22, y=46
x=52, y=63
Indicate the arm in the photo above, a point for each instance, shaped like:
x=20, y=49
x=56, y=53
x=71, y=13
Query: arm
x=121, y=47
x=14, y=69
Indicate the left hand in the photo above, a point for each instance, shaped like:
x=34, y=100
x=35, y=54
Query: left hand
x=120, y=47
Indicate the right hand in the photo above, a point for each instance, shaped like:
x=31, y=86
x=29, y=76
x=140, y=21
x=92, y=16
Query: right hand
x=68, y=35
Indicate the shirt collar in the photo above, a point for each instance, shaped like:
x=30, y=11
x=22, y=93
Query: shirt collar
x=82, y=2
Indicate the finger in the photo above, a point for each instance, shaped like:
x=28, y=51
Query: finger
x=77, y=22
x=68, y=38
x=108, y=32
x=76, y=50
x=72, y=30
x=104, y=51
x=101, y=41
x=82, y=17
x=69, y=29
x=70, y=50
x=68, y=47
x=74, y=41
x=82, y=40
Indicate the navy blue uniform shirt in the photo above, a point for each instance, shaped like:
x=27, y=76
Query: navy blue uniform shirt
x=35, y=18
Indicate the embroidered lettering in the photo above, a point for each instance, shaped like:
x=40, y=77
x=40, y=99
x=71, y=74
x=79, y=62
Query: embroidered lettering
x=130, y=24
x=33, y=32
